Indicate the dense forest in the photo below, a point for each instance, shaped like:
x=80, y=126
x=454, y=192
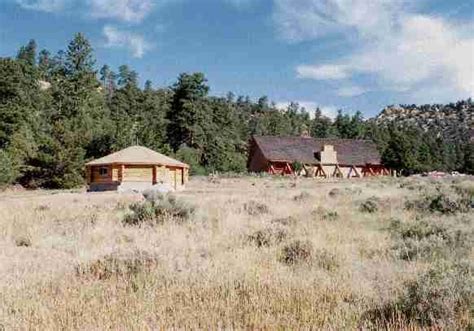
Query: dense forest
x=59, y=111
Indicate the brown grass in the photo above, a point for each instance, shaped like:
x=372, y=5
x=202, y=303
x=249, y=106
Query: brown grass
x=80, y=267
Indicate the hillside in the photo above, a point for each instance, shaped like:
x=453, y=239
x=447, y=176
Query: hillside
x=454, y=120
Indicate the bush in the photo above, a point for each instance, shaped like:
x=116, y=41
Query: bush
x=335, y=192
x=324, y=214
x=116, y=265
x=430, y=238
x=303, y=196
x=255, y=208
x=157, y=209
x=441, y=203
x=267, y=236
x=326, y=260
x=286, y=221
x=442, y=296
x=23, y=241
x=297, y=252
x=371, y=205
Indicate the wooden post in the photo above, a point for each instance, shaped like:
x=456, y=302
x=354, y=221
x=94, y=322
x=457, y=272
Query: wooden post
x=154, y=175
x=338, y=171
x=122, y=172
x=88, y=175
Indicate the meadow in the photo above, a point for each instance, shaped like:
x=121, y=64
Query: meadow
x=242, y=253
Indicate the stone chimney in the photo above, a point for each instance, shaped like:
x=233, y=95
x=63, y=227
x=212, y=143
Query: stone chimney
x=328, y=155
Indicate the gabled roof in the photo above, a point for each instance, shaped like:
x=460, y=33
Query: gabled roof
x=137, y=155
x=304, y=149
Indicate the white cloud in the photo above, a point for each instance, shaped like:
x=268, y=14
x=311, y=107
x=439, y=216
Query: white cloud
x=124, y=10
x=308, y=19
x=42, y=5
x=351, y=91
x=330, y=71
x=310, y=106
x=135, y=43
x=428, y=58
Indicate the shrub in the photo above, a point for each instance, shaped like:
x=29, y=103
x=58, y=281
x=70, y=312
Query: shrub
x=430, y=238
x=441, y=296
x=440, y=203
x=267, y=236
x=116, y=265
x=324, y=214
x=255, y=208
x=23, y=241
x=297, y=252
x=42, y=208
x=290, y=220
x=335, y=192
x=371, y=205
x=326, y=260
x=157, y=209
x=303, y=196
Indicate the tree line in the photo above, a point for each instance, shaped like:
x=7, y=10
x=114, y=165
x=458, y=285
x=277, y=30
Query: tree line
x=58, y=111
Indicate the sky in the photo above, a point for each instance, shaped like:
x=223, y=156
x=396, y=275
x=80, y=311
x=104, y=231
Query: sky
x=333, y=54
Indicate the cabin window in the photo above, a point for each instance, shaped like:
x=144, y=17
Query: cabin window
x=103, y=171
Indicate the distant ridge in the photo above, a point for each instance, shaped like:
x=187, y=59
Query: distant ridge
x=452, y=121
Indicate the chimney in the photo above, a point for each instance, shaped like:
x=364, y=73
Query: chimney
x=305, y=134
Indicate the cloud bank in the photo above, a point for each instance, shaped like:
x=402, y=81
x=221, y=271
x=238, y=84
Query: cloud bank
x=427, y=57
x=117, y=38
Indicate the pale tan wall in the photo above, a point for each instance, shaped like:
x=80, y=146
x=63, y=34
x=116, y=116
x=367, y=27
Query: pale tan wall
x=138, y=173
x=328, y=155
x=115, y=172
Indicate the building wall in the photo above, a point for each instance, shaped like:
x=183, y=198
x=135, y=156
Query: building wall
x=138, y=173
x=257, y=160
x=135, y=177
x=96, y=177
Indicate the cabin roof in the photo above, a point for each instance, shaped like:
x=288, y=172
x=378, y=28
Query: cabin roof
x=137, y=155
x=305, y=149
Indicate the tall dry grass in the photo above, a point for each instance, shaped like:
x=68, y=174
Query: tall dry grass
x=256, y=253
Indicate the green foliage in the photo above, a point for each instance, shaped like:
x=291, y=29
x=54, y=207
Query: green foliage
x=441, y=296
x=158, y=209
x=57, y=112
x=371, y=205
x=8, y=169
x=297, y=252
x=441, y=202
x=427, y=238
x=268, y=236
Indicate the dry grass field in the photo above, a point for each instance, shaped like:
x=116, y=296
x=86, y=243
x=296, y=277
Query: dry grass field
x=241, y=253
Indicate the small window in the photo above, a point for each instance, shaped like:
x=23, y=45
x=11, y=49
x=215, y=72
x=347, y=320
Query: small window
x=103, y=171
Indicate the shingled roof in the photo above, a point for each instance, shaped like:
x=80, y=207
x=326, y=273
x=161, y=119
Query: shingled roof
x=304, y=149
x=137, y=155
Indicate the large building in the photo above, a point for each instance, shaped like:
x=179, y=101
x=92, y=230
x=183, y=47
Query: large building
x=135, y=168
x=317, y=157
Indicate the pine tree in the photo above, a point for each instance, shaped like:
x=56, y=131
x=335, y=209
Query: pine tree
x=189, y=91
x=28, y=53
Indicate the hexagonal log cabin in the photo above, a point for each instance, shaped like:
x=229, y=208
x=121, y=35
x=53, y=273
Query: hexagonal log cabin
x=135, y=168
x=318, y=157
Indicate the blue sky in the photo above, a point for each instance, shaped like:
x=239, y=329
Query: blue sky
x=348, y=54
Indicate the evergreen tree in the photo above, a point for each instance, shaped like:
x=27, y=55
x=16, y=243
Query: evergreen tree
x=28, y=53
x=189, y=91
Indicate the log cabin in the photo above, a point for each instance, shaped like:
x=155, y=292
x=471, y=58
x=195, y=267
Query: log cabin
x=345, y=158
x=135, y=168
